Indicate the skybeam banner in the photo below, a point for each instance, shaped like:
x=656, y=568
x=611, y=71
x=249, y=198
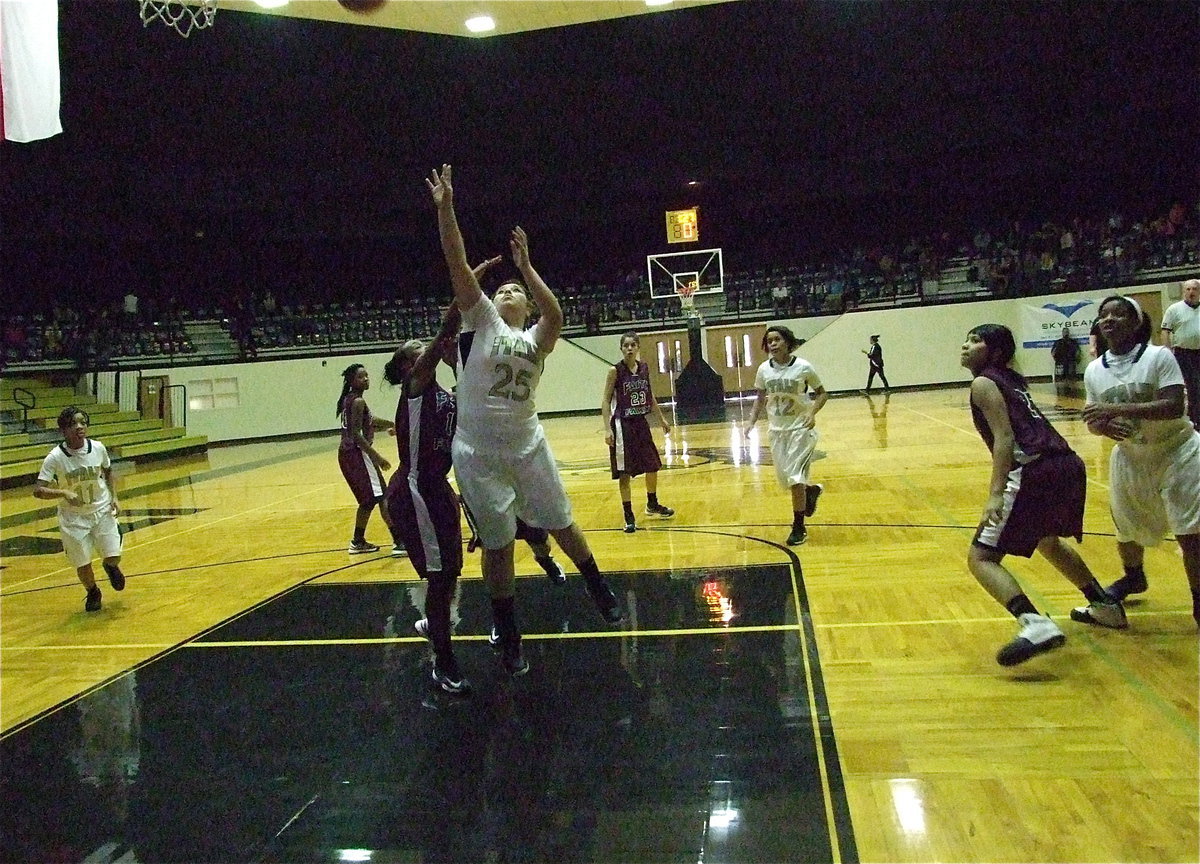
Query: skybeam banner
x=1042, y=325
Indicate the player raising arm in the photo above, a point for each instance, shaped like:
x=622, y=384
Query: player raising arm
x=503, y=463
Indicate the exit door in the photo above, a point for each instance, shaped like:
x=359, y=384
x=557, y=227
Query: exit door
x=152, y=401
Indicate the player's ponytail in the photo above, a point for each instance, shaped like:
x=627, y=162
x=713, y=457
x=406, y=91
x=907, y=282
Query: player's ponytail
x=347, y=376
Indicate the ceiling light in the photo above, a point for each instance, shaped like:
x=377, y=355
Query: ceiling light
x=481, y=24
x=271, y=4
x=658, y=2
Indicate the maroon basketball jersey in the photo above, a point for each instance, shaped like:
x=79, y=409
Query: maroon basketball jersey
x=1033, y=435
x=349, y=442
x=424, y=430
x=631, y=392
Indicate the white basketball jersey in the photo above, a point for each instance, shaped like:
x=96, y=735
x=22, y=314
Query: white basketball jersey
x=497, y=381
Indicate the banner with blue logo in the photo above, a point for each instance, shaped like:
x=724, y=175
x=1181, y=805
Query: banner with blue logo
x=1042, y=325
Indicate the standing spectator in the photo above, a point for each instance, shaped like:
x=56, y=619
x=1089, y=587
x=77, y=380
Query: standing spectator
x=1035, y=498
x=875, y=362
x=502, y=460
x=779, y=297
x=1135, y=396
x=1065, y=352
x=627, y=400
x=79, y=474
x=1181, y=333
x=783, y=382
x=131, y=311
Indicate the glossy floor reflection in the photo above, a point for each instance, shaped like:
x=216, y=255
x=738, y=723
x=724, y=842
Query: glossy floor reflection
x=308, y=730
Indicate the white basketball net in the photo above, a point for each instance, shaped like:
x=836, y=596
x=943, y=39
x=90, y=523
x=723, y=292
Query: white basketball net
x=687, y=299
x=182, y=17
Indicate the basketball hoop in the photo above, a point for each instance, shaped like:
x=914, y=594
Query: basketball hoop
x=182, y=17
x=687, y=299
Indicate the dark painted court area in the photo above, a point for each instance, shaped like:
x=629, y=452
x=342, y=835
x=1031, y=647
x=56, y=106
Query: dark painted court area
x=686, y=737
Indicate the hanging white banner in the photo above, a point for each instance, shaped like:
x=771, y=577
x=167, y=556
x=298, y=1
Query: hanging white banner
x=1042, y=325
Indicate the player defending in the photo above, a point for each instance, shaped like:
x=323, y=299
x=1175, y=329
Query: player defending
x=501, y=457
x=1035, y=498
x=422, y=506
x=626, y=402
x=78, y=473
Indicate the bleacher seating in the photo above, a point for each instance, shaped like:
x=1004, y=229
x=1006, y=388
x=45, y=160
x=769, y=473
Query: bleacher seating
x=30, y=432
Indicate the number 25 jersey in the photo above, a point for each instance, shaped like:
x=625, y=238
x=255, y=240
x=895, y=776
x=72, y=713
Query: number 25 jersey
x=499, y=370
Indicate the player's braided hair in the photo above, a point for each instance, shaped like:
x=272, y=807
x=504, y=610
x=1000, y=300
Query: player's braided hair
x=347, y=376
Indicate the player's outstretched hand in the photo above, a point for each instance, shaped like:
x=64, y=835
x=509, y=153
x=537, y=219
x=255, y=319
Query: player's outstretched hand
x=441, y=186
x=483, y=266
x=520, y=247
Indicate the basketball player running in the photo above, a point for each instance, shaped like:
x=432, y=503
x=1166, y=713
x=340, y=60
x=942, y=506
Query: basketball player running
x=501, y=457
x=421, y=505
x=1035, y=498
x=78, y=473
x=362, y=465
x=1135, y=395
x=782, y=384
x=626, y=401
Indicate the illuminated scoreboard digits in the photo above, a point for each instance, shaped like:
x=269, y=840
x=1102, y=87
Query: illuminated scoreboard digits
x=683, y=226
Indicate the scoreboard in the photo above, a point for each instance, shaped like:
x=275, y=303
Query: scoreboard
x=683, y=226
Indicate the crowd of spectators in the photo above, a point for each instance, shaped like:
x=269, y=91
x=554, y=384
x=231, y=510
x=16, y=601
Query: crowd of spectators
x=91, y=337
x=1008, y=259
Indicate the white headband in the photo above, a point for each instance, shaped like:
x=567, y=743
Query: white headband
x=1134, y=304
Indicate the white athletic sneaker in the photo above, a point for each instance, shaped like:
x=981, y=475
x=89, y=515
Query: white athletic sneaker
x=1038, y=634
x=1111, y=615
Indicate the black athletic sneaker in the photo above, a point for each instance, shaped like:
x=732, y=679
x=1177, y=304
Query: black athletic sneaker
x=553, y=571
x=606, y=601
x=630, y=526
x=513, y=662
x=115, y=577
x=811, y=494
x=798, y=536
x=1125, y=586
x=92, y=604
x=494, y=640
x=659, y=510
x=449, y=678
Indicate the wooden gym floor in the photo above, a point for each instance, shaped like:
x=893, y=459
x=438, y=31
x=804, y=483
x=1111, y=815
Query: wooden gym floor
x=256, y=694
